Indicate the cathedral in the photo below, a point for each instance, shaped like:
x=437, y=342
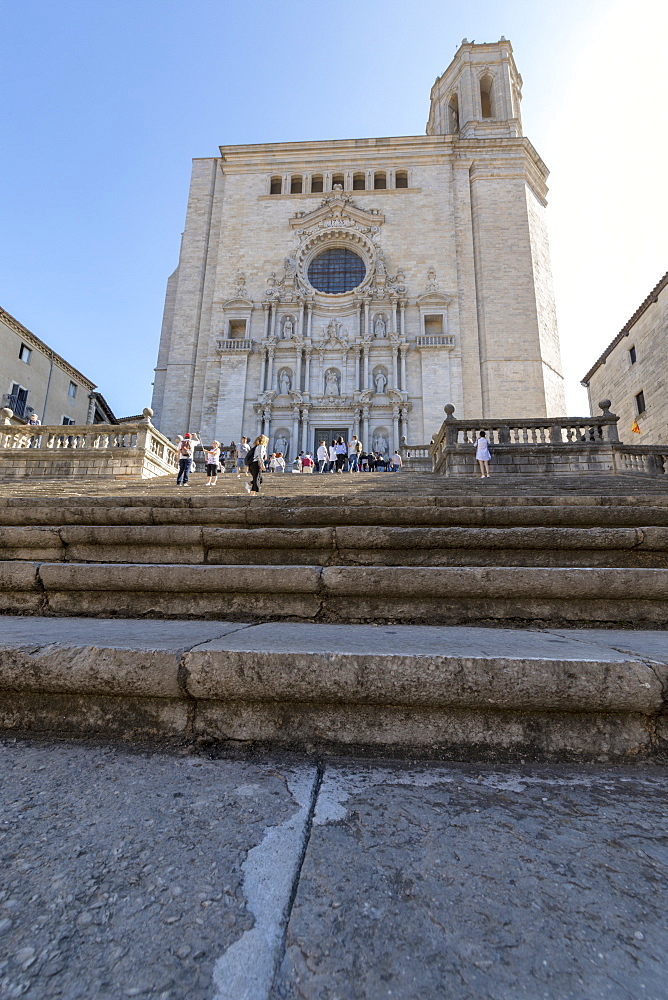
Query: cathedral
x=355, y=286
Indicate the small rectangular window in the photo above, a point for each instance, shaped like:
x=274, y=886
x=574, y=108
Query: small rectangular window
x=379, y=183
x=276, y=185
x=296, y=185
x=433, y=326
x=72, y=391
x=68, y=420
x=316, y=183
x=24, y=353
x=359, y=182
x=640, y=402
x=402, y=179
x=632, y=355
x=237, y=329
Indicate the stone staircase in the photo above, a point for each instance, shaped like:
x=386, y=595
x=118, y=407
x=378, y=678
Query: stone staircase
x=343, y=611
x=406, y=548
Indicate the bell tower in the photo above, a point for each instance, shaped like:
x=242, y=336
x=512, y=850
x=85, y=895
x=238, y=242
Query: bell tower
x=479, y=94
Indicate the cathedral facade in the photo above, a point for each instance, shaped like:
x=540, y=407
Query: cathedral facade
x=356, y=286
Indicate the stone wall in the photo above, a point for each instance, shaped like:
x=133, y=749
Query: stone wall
x=616, y=377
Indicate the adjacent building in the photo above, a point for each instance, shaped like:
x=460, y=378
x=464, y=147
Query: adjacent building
x=358, y=285
x=633, y=372
x=35, y=379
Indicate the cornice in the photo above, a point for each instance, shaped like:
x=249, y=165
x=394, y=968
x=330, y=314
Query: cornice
x=626, y=329
x=32, y=340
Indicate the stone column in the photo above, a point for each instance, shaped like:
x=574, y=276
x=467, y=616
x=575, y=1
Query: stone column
x=301, y=320
x=365, y=437
x=307, y=373
x=395, y=376
x=294, y=443
x=274, y=317
x=356, y=422
x=267, y=315
x=358, y=309
x=394, y=314
x=357, y=369
x=402, y=306
x=309, y=309
x=404, y=423
x=395, y=428
x=366, y=321
x=403, y=352
x=267, y=423
x=298, y=370
x=270, y=369
x=366, y=366
x=305, y=429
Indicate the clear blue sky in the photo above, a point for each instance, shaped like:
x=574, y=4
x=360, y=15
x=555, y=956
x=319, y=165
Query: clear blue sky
x=106, y=102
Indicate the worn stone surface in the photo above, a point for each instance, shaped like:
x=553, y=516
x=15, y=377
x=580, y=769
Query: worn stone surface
x=476, y=884
x=143, y=870
x=126, y=873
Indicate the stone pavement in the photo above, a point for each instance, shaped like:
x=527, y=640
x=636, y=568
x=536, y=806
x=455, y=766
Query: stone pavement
x=147, y=870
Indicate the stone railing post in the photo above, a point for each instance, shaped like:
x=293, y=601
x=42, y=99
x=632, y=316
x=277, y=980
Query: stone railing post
x=451, y=429
x=611, y=420
x=503, y=436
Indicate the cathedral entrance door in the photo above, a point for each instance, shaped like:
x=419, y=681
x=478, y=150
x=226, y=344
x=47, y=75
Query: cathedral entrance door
x=328, y=434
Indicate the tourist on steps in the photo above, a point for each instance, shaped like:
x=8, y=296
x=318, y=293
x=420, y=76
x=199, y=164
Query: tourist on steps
x=323, y=457
x=483, y=455
x=395, y=462
x=212, y=458
x=340, y=451
x=185, y=453
x=242, y=451
x=257, y=462
x=332, y=456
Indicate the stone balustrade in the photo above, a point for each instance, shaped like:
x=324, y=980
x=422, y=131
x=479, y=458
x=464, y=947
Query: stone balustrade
x=543, y=445
x=416, y=457
x=134, y=449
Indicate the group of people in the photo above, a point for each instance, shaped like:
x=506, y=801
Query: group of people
x=251, y=460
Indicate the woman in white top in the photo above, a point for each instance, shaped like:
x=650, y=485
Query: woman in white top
x=482, y=455
x=279, y=462
x=212, y=457
x=332, y=457
x=341, y=452
x=323, y=456
x=257, y=463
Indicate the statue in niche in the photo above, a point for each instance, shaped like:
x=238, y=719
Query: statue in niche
x=331, y=383
x=380, y=326
x=432, y=284
x=290, y=268
x=281, y=444
x=287, y=329
x=379, y=444
x=380, y=381
x=285, y=383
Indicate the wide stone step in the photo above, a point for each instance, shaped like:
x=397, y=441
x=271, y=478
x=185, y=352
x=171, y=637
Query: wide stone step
x=447, y=692
x=348, y=545
x=424, y=595
x=402, y=512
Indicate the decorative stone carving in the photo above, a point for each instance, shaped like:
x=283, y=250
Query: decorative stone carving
x=284, y=381
x=288, y=328
x=281, y=443
x=380, y=325
x=332, y=382
x=432, y=283
x=380, y=381
x=379, y=441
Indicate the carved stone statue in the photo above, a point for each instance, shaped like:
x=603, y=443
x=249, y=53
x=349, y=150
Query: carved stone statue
x=281, y=444
x=331, y=383
x=379, y=444
x=432, y=283
x=284, y=383
x=380, y=381
x=287, y=329
x=380, y=327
